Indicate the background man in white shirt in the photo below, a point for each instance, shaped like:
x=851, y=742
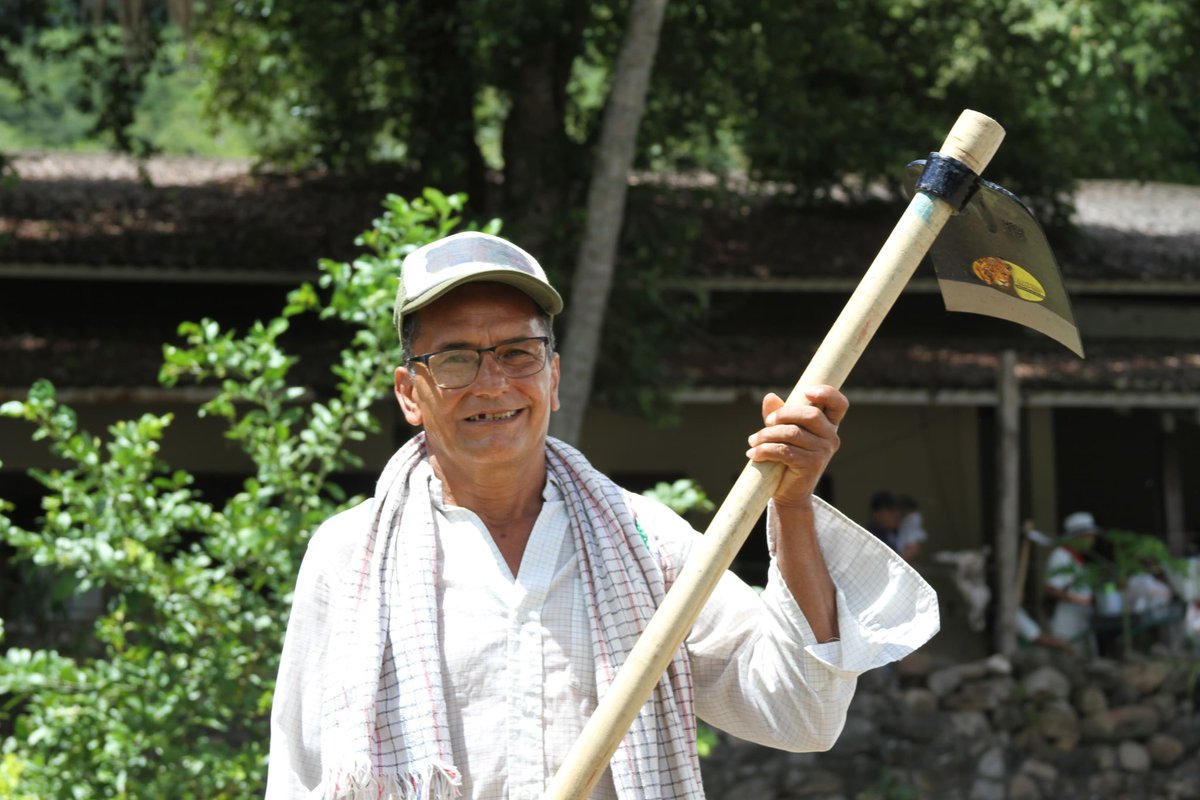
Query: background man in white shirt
x=1066, y=582
x=455, y=632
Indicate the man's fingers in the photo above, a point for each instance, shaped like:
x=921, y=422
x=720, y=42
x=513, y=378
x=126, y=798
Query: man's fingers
x=832, y=402
x=770, y=404
x=791, y=455
x=794, y=444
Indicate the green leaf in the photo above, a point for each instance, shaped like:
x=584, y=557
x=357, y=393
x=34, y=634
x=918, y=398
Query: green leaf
x=13, y=408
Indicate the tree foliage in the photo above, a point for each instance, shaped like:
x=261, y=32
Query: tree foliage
x=844, y=93
x=812, y=95
x=816, y=96
x=109, y=56
x=171, y=695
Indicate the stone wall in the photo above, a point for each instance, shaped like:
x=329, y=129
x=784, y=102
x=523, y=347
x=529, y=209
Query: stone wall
x=1042, y=726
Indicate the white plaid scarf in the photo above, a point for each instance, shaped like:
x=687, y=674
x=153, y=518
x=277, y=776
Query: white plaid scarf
x=384, y=733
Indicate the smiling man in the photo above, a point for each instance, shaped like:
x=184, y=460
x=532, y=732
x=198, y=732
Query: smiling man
x=450, y=637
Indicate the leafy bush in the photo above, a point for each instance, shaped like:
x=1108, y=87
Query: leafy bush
x=1121, y=556
x=171, y=695
x=681, y=496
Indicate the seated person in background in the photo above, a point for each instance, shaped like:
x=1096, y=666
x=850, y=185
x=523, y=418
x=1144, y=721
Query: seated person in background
x=1145, y=592
x=1191, y=625
x=1029, y=632
x=1065, y=581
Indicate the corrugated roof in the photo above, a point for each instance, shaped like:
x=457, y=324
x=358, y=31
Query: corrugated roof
x=903, y=365
x=102, y=211
x=183, y=214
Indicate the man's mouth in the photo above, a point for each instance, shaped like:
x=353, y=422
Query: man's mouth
x=494, y=417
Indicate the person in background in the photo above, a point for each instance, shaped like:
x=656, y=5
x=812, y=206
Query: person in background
x=1029, y=632
x=1146, y=592
x=910, y=533
x=885, y=518
x=1191, y=626
x=1065, y=582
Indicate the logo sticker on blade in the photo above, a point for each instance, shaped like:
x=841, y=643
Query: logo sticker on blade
x=1008, y=278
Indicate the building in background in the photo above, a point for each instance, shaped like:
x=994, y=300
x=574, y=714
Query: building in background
x=97, y=268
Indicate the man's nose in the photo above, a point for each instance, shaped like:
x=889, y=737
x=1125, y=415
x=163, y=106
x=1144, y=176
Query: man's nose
x=490, y=373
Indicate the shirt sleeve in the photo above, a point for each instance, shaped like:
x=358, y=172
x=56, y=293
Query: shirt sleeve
x=759, y=672
x=294, y=763
x=1062, y=572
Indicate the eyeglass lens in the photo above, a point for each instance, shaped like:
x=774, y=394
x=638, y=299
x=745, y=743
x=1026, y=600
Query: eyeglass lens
x=453, y=369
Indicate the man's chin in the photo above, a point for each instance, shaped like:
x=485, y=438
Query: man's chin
x=501, y=447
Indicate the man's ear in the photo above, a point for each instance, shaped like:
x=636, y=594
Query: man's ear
x=405, y=388
x=554, y=378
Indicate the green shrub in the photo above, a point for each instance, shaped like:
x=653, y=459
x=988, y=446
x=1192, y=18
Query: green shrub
x=171, y=695
x=681, y=496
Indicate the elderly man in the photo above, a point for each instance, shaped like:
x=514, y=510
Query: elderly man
x=452, y=635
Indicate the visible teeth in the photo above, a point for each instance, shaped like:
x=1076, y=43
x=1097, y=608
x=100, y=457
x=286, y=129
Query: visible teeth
x=501, y=415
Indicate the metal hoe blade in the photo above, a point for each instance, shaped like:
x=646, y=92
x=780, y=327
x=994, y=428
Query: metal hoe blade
x=992, y=258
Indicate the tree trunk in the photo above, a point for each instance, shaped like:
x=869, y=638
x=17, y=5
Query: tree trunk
x=1173, y=495
x=441, y=135
x=605, y=212
x=537, y=154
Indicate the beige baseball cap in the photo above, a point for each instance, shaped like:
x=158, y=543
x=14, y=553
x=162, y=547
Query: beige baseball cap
x=434, y=269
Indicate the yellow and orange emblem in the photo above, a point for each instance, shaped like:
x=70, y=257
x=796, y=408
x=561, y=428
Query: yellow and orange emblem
x=1009, y=278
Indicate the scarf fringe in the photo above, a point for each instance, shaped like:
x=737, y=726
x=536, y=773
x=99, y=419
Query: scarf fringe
x=430, y=781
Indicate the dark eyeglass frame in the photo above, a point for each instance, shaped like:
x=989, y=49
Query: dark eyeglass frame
x=479, y=351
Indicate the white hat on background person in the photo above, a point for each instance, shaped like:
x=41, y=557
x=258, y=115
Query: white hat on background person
x=1080, y=523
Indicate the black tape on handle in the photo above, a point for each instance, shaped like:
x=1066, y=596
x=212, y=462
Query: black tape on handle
x=949, y=179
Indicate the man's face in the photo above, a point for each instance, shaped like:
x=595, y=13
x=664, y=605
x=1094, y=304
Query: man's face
x=495, y=420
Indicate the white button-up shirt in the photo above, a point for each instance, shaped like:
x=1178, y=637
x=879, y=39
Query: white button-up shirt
x=517, y=651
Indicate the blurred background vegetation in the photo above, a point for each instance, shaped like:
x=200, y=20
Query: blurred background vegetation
x=815, y=95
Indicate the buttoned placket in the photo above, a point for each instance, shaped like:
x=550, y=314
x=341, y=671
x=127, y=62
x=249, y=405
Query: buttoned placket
x=526, y=664
x=523, y=677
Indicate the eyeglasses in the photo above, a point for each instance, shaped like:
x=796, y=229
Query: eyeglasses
x=458, y=367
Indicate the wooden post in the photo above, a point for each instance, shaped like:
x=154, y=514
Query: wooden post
x=1008, y=427
x=1172, y=485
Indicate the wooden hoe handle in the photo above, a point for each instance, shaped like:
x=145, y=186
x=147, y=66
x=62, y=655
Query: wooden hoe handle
x=973, y=140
